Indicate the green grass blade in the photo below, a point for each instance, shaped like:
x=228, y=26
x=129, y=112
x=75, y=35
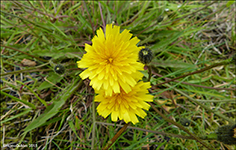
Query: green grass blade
x=53, y=109
x=16, y=116
x=19, y=100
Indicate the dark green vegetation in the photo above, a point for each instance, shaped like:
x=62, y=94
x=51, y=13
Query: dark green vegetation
x=39, y=106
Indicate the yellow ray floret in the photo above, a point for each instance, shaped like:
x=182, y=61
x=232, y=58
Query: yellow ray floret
x=125, y=106
x=111, y=61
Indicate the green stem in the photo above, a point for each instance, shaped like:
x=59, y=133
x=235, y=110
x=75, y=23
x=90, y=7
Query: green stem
x=149, y=73
x=94, y=125
x=109, y=144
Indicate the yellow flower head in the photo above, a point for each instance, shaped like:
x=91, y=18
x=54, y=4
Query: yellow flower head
x=125, y=105
x=111, y=61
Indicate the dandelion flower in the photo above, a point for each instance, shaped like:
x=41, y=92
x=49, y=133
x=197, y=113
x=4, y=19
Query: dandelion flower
x=125, y=106
x=111, y=61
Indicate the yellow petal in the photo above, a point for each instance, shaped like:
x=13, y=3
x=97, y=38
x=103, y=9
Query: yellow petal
x=124, y=86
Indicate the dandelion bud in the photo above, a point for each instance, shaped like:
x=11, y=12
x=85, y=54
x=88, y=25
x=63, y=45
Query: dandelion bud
x=227, y=134
x=59, y=69
x=160, y=18
x=145, y=55
x=185, y=122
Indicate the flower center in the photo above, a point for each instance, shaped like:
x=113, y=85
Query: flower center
x=110, y=60
x=145, y=52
